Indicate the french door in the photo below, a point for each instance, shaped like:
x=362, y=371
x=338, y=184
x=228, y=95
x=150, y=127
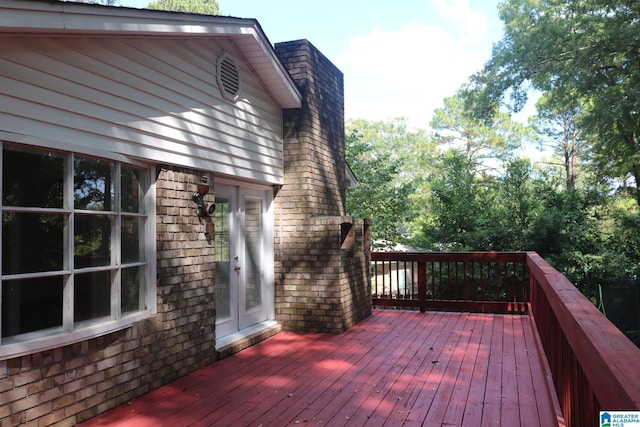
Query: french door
x=243, y=239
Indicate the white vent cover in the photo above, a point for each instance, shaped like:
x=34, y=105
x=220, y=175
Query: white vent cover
x=228, y=77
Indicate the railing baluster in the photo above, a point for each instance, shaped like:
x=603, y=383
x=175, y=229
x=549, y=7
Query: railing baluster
x=415, y=270
x=384, y=280
x=499, y=279
x=439, y=295
x=472, y=295
x=481, y=284
x=465, y=292
x=375, y=278
x=514, y=284
x=422, y=285
x=429, y=280
x=457, y=291
x=397, y=264
x=433, y=281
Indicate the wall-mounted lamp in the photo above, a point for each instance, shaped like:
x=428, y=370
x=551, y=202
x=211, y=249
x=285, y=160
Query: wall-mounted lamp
x=204, y=209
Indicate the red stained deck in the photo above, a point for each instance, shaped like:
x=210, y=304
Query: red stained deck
x=395, y=368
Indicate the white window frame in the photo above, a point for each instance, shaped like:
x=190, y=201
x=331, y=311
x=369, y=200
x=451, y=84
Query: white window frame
x=70, y=332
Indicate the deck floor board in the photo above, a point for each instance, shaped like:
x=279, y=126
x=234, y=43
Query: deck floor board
x=395, y=368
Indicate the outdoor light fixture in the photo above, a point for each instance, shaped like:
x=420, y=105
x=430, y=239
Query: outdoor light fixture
x=204, y=209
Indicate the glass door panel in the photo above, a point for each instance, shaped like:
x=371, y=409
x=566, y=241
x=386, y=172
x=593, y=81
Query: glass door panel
x=226, y=311
x=253, y=252
x=244, y=258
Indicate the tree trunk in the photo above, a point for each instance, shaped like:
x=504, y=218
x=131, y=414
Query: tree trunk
x=636, y=166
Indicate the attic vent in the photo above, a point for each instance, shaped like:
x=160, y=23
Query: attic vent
x=228, y=77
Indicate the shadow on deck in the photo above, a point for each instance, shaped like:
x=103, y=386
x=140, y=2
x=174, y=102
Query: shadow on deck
x=395, y=368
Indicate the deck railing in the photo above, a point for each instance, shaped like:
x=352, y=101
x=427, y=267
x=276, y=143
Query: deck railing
x=593, y=365
x=475, y=281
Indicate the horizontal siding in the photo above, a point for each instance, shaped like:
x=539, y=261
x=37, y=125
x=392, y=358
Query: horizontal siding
x=148, y=98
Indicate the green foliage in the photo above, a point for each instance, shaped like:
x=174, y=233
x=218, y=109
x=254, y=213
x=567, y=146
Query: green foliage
x=583, y=56
x=465, y=190
x=523, y=209
x=558, y=123
x=514, y=208
x=586, y=47
x=566, y=229
x=621, y=233
x=458, y=126
x=383, y=155
x=207, y=7
x=465, y=210
x=456, y=204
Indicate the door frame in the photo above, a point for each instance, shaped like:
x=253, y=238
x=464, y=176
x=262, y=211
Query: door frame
x=237, y=192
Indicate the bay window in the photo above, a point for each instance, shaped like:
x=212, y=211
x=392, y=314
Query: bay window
x=76, y=247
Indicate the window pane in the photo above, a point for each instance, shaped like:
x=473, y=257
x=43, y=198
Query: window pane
x=221, y=219
x=130, y=239
x=131, y=286
x=131, y=189
x=93, y=184
x=31, y=304
x=32, y=178
x=253, y=253
x=32, y=242
x=92, y=295
x=92, y=240
x=222, y=216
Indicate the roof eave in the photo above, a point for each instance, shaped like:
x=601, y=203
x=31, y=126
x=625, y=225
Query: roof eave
x=61, y=18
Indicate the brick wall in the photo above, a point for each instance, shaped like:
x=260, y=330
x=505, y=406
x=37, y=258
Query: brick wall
x=68, y=385
x=320, y=286
x=314, y=134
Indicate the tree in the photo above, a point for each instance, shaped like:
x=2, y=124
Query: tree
x=590, y=46
x=457, y=126
x=207, y=7
x=558, y=119
x=457, y=205
x=380, y=153
x=514, y=208
x=622, y=235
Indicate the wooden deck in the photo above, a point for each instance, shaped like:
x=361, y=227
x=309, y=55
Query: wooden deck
x=395, y=368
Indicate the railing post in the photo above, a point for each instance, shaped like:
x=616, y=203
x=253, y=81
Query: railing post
x=422, y=285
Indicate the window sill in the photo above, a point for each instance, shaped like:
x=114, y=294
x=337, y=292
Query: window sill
x=22, y=345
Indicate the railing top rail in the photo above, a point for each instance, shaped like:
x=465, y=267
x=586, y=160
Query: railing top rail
x=609, y=359
x=450, y=256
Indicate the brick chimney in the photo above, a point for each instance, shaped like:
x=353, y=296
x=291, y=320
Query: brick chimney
x=322, y=255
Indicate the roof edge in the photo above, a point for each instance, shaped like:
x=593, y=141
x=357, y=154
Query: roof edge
x=37, y=17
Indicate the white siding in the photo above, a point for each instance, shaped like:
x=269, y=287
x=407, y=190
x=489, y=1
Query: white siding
x=154, y=99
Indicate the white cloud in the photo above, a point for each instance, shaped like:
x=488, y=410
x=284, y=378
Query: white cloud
x=472, y=24
x=409, y=71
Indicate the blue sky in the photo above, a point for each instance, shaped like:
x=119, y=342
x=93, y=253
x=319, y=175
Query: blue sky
x=398, y=58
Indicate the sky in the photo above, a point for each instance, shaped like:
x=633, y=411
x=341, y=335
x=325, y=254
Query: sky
x=399, y=58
